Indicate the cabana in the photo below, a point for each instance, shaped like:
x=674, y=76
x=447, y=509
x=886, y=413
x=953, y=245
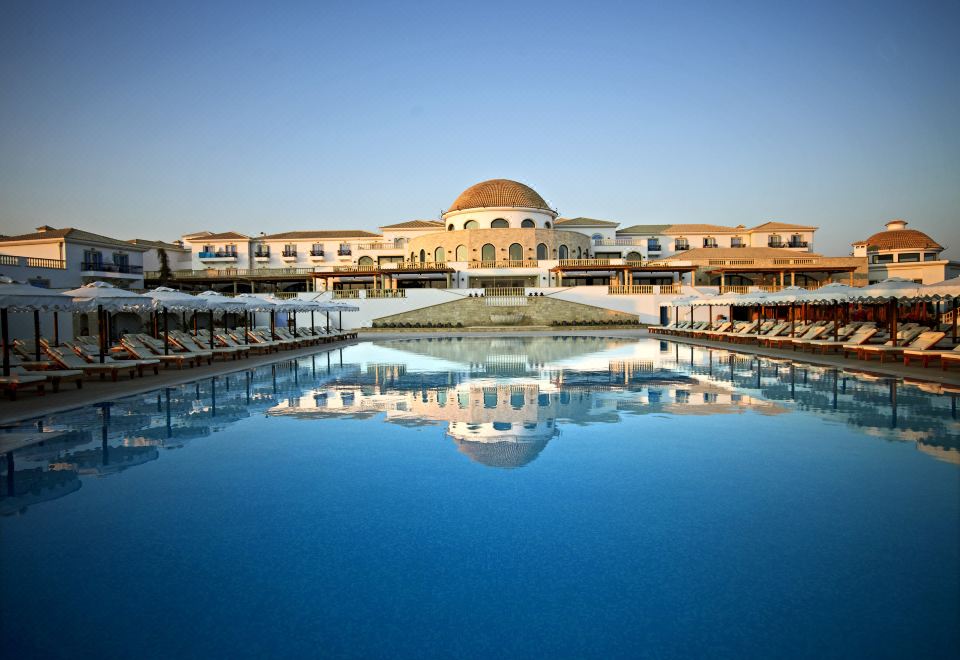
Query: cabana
x=19, y=297
x=164, y=299
x=105, y=298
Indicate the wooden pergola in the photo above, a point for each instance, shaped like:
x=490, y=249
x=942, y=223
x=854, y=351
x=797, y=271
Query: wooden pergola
x=787, y=273
x=622, y=272
x=385, y=278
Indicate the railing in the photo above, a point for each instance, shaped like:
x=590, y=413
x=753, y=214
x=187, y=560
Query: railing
x=769, y=288
x=230, y=273
x=417, y=265
x=316, y=253
x=366, y=268
x=585, y=262
x=631, y=290
x=262, y=255
x=285, y=295
x=795, y=262
x=619, y=241
x=680, y=247
x=655, y=248
x=218, y=255
x=503, y=291
x=738, y=245
x=386, y=293
x=798, y=244
x=346, y=294
x=710, y=245
x=379, y=246
x=671, y=289
x=510, y=263
x=104, y=267
x=32, y=262
x=289, y=253
x=735, y=288
x=344, y=252
x=632, y=263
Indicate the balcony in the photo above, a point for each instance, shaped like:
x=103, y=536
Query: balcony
x=514, y=263
x=738, y=245
x=316, y=253
x=776, y=244
x=289, y=255
x=656, y=247
x=710, y=245
x=680, y=247
x=262, y=255
x=344, y=252
x=90, y=268
x=798, y=244
x=379, y=246
x=218, y=256
x=32, y=262
x=619, y=241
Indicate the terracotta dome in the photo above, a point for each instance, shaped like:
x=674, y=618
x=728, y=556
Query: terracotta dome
x=897, y=237
x=499, y=192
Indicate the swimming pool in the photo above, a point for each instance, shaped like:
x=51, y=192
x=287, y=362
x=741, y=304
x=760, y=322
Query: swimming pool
x=511, y=497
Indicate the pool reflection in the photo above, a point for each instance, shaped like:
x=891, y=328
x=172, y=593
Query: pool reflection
x=500, y=400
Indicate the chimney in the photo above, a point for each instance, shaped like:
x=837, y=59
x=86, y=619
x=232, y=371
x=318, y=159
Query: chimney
x=44, y=228
x=895, y=225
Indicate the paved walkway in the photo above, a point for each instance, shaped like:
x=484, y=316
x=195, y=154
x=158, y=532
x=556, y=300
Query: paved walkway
x=28, y=404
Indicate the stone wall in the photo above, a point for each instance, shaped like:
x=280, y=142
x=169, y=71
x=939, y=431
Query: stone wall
x=476, y=312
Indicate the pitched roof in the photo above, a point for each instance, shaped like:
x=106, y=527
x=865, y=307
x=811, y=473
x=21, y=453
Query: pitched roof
x=320, y=233
x=414, y=224
x=142, y=242
x=699, y=254
x=900, y=239
x=223, y=236
x=50, y=233
x=780, y=226
x=690, y=228
x=585, y=222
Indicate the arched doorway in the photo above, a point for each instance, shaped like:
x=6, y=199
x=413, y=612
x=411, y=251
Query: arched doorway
x=423, y=256
x=461, y=253
x=515, y=252
x=541, y=251
x=439, y=255
x=488, y=252
x=563, y=253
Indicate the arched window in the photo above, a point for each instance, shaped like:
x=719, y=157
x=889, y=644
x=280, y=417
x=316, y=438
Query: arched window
x=579, y=253
x=398, y=242
x=563, y=253
x=542, y=251
x=546, y=225
x=597, y=237
x=499, y=223
x=423, y=256
x=413, y=257
x=365, y=261
x=470, y=224
x=515, y=252
x=450, y=227
x=488, y=252
x=528, y=224
x=461, y=254
x=439, y=255
x=633, y=256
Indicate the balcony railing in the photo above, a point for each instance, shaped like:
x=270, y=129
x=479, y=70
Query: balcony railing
x=735, y=288
x=387, y=245
x=738, y=245
x=351, y=268
x=655, y=248
x=776, y=244
x=386, y=293
x=417, y=265
x=32, y=262
x=681, y=247
x=263, y=254
x=230, y=273
x=798, y=244
x=289, y=253
x=509, y=263
x=344, y=252
x=619, y=241
x=346, y=294
x=671, y=289
x=710, y=245
x=503, y=291
x=218, y=255
x=585, y=262
x=103, y=267
x=316, y=253
x=630, y=290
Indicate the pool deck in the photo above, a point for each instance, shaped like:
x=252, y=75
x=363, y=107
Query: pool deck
x=30, y=405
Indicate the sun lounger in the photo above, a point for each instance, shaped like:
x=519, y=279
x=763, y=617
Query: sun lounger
x=91, y=356
x=141, y=351
x=156, y=346
x=17, y=380
x=904, y=338
x=950, y=359
x=924, y=341
x=859, y=337
x=813, y=333
x=929, y=355
x=54, y=376
x=67, y=359
x=189, y=343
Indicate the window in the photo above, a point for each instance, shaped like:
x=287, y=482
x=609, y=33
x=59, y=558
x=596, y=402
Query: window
x=316, y=250
x=261, y=250
x=461, y=253
x=209, y=249
x=344, y=250
x=882, y=259
x=579, y=253
x=653, y=245
x=290, y=250
x=439, y=255
x=908, y=257
x=774, y=240
x=563, y=252
x=230, y=250
x=546, y=225
x=488, y=253
x=633, y=256
x=528, y=224
x=515, y=252
x=470, y=224
x=92, y=258
x=797, y=241
x=736, y=242
x=541, y=251
x=121, y=259
x=499, y=223
x=709, y=242
x=681, y=244
x=423, y=256
x=450, y=227
x=365, y=261
x=930, y=256
x=597, y=237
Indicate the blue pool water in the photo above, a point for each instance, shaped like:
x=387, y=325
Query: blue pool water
x=529, y=497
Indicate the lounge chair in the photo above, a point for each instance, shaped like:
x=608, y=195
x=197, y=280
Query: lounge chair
x=17, y=381
x=861, y=336
x=54, y=376
x=924, y=341
x=189, y=343
x=203, y=339
x=948, y=360
x=137, y=349
x=70, y=360
x=156, y=345
x=91, y=357
x=813, y=333
x=928, y=355
x=904, y=337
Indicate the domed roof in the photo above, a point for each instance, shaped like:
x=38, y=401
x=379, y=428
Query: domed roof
x=899, y=238
x=498, y=192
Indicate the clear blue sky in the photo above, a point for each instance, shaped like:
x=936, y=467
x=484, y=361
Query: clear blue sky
x=157, y=119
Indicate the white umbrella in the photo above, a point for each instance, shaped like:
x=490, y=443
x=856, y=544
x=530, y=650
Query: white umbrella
x=164, y=299
x=19, y=297
x=235, y=304
x=258, y=304
x=835, y=292
x=104, y=297
x=890, y=291
x=945, y=290
x=338, y=306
